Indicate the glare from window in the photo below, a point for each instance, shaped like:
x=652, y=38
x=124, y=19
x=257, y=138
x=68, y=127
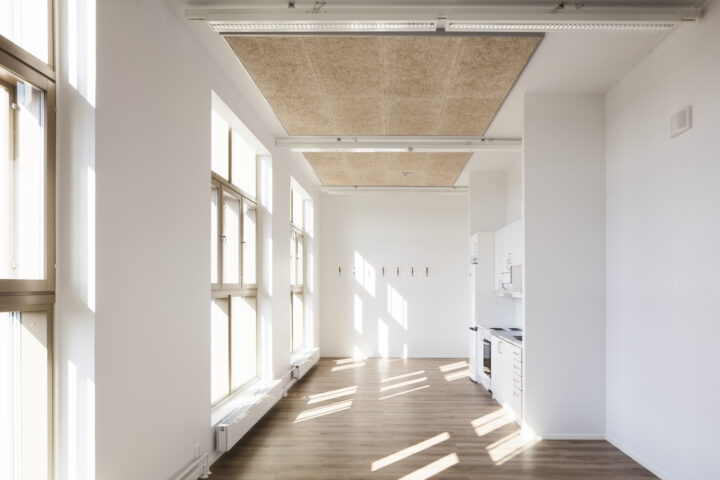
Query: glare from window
x=297, y=209
x=231, y=239
x=249, y=273
x=220, y=146
x=220, y=349
x=24, y=439
x=244, y=340
x=244, y=165
x=213, y=234
x=22, y=183
x=25, y=23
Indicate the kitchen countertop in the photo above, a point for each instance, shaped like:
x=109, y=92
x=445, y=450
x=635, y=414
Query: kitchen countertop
x=509, y=337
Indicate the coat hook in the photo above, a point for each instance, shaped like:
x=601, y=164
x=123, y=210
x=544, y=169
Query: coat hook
x=427, y=271
x=412, y=271
x=383, y=270
x=397, y=271
x=339, y=271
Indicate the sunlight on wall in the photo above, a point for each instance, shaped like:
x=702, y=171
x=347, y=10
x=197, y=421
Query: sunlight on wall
x=397, y=306
x=383, y=339
x=358, y=314
x=409, y=451
x=364, y=274
x=433, y=468
x=91, y=238
x=72, y=413
x=80, y=27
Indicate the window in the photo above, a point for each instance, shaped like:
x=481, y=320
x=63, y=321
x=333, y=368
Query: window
x=27, y=24
x=27, y=238
x=25, y=393
x=297, y=268
x=233, y=269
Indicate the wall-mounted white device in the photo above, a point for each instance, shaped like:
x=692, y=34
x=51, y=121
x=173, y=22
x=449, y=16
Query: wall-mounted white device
x=680, y=121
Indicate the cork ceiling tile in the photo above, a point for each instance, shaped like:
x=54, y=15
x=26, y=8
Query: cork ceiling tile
x=413, y=116
x=417, y=67
x=487, y=67
x=467, y=116
x=347, y=66
x=302, y=115
x=358, y=116
x=385, y=85
x=289, y=74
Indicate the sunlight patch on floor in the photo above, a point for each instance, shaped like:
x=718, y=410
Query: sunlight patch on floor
x=456, y=375
x=453, y=366
x=404, y=392
x=322, y=411
x=348, y=366
x=491, y=422
x=406, y=452
x=329, y=395
x=405, y=375
x=509, y=446
x=403, y=384
x=433, y=468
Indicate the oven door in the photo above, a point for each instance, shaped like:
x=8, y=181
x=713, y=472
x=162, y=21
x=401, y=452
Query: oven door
x=486, y=366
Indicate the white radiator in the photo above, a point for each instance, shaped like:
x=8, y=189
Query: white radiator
x=199, y=468
x=301, y=368
x=233, y=428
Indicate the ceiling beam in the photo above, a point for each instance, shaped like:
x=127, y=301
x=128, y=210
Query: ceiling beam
x=418, y=144
x=251, y=19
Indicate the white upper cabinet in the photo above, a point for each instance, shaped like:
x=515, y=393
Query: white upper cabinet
x=509, y=252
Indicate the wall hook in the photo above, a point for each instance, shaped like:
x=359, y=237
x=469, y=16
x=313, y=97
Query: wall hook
x=397, y=271
x=427, y=271
x=412, y=271
x=383, y=270
x=339, y=271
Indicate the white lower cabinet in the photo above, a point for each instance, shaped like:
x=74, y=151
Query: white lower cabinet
x=507, y=373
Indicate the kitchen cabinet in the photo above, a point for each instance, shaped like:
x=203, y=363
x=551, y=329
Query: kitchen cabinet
x=507, y=375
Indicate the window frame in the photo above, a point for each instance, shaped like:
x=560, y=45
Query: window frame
x=27, y=58
x=221, y=290
x=13, y=70
x=297, y=237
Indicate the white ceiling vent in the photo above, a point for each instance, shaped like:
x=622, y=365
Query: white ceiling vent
x=680, y=122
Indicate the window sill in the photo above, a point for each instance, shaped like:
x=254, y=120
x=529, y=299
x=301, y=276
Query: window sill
x=240, y=401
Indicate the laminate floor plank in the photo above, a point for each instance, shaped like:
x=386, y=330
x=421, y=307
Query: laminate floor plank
x=408, y=419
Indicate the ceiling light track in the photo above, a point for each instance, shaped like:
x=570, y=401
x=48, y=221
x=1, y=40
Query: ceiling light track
x=417, y=144
x=449, y=20
x=349, y=190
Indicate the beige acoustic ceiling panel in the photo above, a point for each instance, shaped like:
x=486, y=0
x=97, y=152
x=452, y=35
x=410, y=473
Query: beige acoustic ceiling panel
x=384, y=85
x=388, y=169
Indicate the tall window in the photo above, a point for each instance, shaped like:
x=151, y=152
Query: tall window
x=27, y=240
x=297, y=269
x=233, y=268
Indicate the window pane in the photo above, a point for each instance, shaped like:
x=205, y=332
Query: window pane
x=249, y=263
x=297, y=209
x=244, y=340
x=219, y=349
x=244, y=165
x=298, y=321
x=22, y=177
x=220, y=129
x=213, y=234
x=293, y=256
x=25, y=23
x=231, y=244
x=24, y=439
x=300, y=263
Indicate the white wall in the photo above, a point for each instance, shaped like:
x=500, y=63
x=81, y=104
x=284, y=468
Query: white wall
x=564, y=300
x=152, y=335
x=74, y=312
x=662, y=239
x=513, y=193
x=374, y=315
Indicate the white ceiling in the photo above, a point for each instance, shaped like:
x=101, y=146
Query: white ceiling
x=566, y=63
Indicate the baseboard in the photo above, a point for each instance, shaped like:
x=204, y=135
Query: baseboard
x=639, y=459
x=573, y=436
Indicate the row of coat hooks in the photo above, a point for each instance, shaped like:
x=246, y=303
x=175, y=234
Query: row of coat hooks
x=397, y=271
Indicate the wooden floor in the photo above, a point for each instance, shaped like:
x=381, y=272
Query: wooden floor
x=405, y=419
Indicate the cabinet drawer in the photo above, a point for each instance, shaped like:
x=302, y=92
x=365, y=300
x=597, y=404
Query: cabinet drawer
x=517, y=382
x=517, y=368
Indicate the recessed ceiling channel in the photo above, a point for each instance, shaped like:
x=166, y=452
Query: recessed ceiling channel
x=393, y=97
